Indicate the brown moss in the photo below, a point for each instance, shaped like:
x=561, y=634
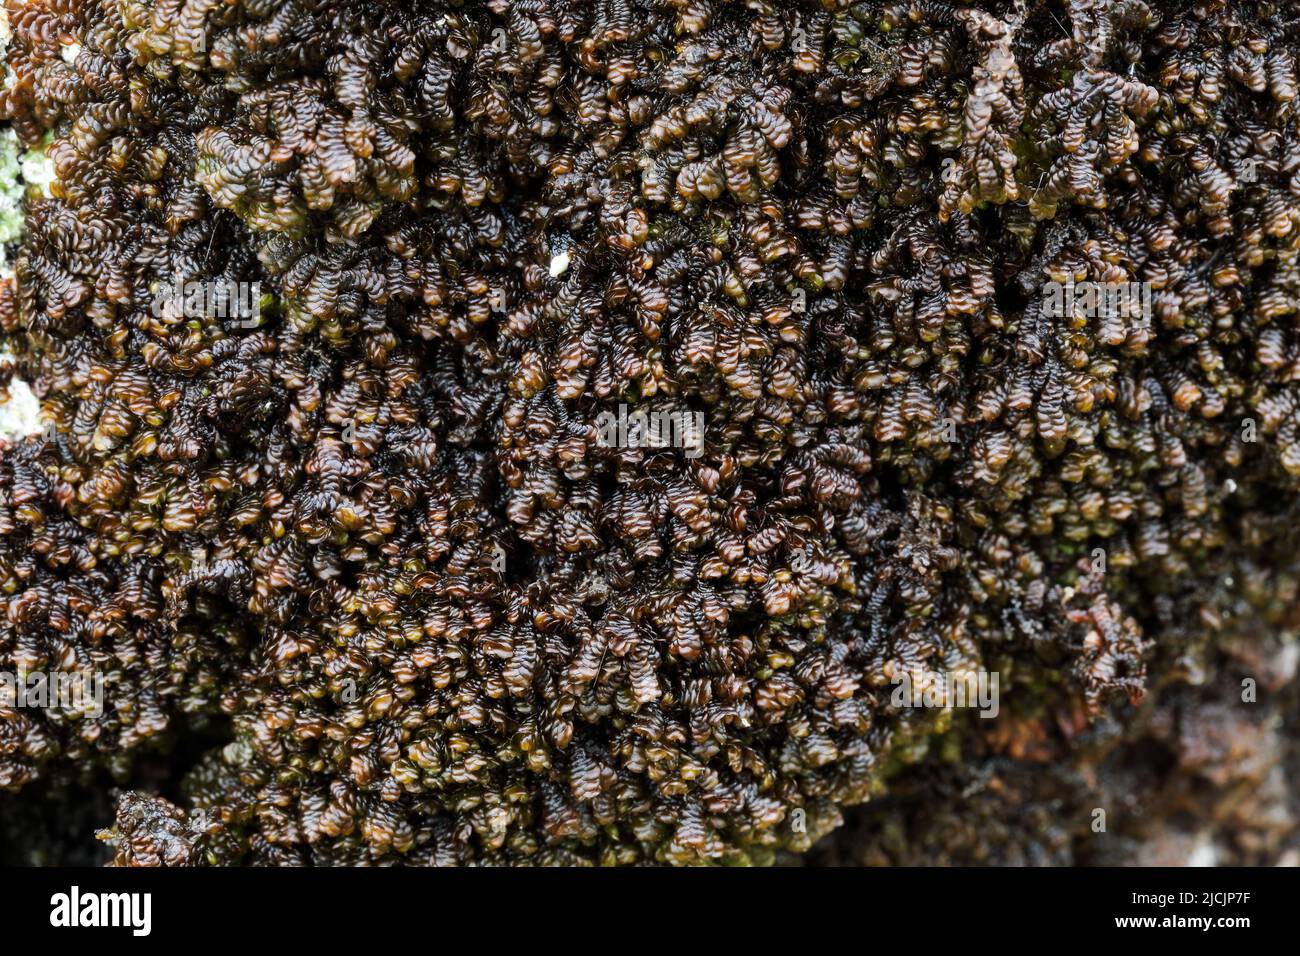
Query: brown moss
x=376, y=524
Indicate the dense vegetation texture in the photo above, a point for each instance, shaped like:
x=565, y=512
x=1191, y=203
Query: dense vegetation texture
x=372, y=546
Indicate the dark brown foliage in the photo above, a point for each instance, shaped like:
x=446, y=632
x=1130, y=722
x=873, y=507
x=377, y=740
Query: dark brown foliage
x=377, y=529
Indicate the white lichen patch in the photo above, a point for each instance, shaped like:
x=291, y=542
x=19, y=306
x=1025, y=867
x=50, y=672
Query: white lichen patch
x=38, y=171
x=20, y=413
x=11, y=197
x=11, y=190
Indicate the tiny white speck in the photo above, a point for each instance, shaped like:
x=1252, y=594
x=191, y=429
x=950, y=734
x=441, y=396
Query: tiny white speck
x=559, y=264
x=1287, y=660
x=1204, y=855
x=1230, y=486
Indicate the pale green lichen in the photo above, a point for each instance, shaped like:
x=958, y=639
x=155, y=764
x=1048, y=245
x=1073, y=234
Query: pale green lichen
x=23, y=173
x=11, y=193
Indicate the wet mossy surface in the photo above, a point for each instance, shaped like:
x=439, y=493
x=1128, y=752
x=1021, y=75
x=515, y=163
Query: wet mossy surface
x=366, y=584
